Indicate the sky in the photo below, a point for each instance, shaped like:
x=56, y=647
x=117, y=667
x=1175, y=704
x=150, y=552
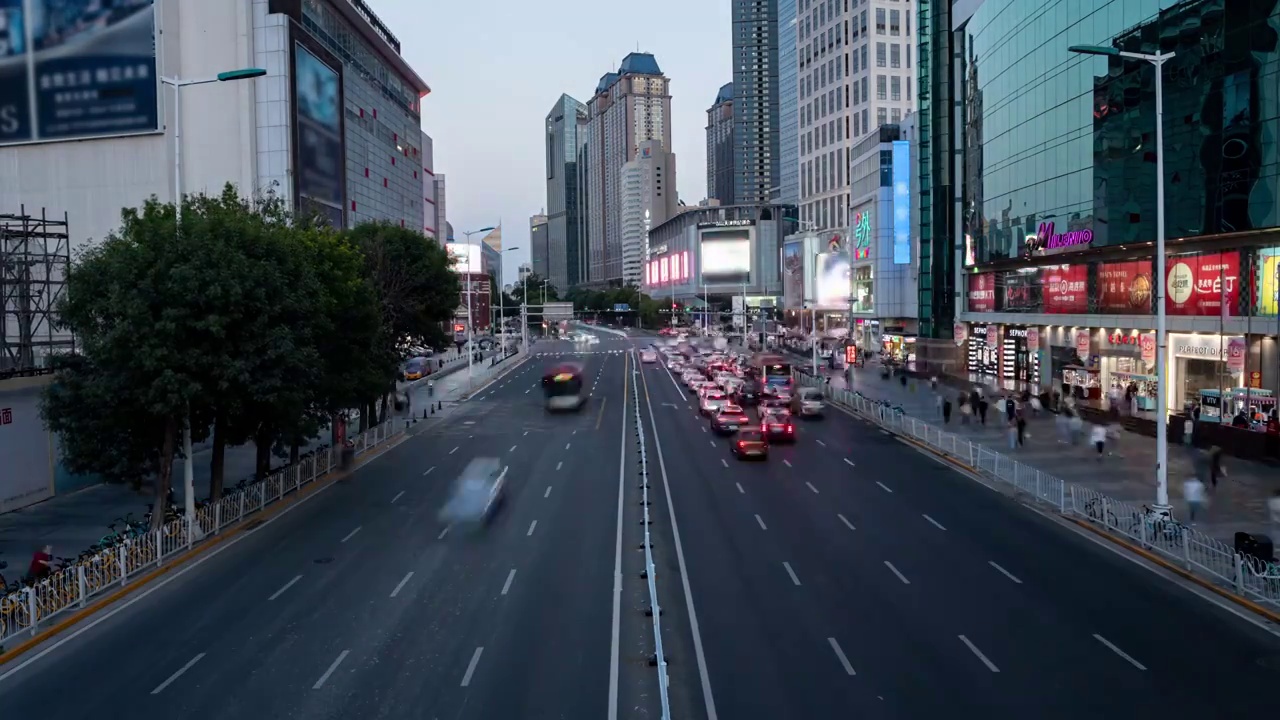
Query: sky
x=496, y=67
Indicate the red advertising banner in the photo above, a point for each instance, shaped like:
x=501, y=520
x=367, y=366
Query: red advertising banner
x=1066, y=289
x=982, y=292
x=1197, y=284
x=1125, y=287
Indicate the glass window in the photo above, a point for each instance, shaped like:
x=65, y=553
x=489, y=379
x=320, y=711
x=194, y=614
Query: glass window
x=895, y=26
x=880, y=23
x=881, y=116
x=880, y=54
x=881, y=88
x=895, y=88
x=895, y=55
x=908, y=88
x=895, y=115
x=865, y=64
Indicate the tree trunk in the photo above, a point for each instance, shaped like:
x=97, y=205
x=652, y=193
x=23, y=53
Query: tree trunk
x=164, y=474
x=218, y=461
x=262, y=463
x=294, y=451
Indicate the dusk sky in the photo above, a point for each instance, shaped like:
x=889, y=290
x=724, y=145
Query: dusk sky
x=496, y=68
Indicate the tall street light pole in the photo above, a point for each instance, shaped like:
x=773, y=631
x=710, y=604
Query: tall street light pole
x=188, y=464
x=471, y=348
x=1162, y=506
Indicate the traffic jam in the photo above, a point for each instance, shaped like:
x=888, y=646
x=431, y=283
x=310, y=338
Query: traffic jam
x=748, y=398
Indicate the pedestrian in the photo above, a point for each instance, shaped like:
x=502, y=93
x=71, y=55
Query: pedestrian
x=1012, y=431
x=1077, y=427
x=1021, y=420
x=938, y=401
x=1188, y=431
x=1098, y=435
x=1064, y=427
x=1216, y=469
x=1193, y=493
x=41, y=563
x=965, y=409
x=982, y=409
x=933, y=383
x=946, y=411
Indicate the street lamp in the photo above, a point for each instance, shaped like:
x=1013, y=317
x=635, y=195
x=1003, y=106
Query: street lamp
x=1162, y=506
x=502, y=305
x=471, y=350
x=188, y=464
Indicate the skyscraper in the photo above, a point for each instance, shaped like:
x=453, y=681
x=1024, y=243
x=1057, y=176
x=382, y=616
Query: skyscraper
x=629, y=106
x=755, y=101
x=788, y=192
x=938, y=196
x=539, y=249
x=648, y=199
x=564, y=259
x=720, y=146
x=432, y=215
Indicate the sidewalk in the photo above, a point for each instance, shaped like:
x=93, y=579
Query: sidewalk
x=1127, y=472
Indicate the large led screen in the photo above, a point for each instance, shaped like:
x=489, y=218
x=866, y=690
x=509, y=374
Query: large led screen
x=726, y=257
x=793, y=275
x=831, y=280
x=465, y=258
x=321, y=167
x=76, y=69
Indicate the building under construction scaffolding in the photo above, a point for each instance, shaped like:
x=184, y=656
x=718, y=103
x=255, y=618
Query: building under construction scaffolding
x=35, y=257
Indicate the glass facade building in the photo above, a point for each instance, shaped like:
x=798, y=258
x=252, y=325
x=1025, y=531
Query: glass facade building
x=564, y=259
x=755, y=104
x=788, y=106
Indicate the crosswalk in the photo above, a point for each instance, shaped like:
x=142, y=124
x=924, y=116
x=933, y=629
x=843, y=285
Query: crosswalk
x=584, y=352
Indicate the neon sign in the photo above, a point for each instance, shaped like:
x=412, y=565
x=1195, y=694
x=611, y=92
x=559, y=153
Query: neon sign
x=862, y=235
x=1046, y=239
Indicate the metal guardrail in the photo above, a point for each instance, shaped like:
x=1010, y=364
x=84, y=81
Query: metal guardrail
x=650, y=569
x=73, y=587
x=1181, y=545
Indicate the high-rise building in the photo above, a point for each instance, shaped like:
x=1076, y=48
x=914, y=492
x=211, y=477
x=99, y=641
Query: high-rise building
x=564, y=257
x=585, y=208
x=648, y=200
x=442, y=219
x=788, y=192
x=855, y=73
x=491, y=253
x=720, y=146
x=939, y=196
x=629, y=106
x=539, y=246
x=755, y=101
x=432, y=218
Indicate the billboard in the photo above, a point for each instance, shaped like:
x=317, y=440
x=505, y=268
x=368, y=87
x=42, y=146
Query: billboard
x=793, y=274
x=667, y=269
x=725, y=256
x=1268, y=294
x=982, y=292
x=73, y=69
x=831, y=280
x=901, y=202
x=1199, y=284
x=466, y=258
x=319, y=162
x=863, y=230
x=1066, y=288
x=1125, y=288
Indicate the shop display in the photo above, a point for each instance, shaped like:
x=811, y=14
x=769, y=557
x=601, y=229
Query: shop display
x=1082, y=382
x=1145, y=386
x=983, y=359
x=1018, y=362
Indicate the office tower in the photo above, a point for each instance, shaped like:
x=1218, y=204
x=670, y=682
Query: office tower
x=629, y=107
x=648, y=199
x=788, y=192
x=720, y=146
x=491, y=253
x=755, y=101
x=539, y=247
x=442, y=219
x=432, y=218
x=938, y=195
x=564, y=258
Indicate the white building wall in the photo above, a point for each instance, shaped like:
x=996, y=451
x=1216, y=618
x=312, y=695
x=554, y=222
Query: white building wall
x=632, y=212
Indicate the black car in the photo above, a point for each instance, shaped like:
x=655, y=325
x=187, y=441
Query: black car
x=748, y=394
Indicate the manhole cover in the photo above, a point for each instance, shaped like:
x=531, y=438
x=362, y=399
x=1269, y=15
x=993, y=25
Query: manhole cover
x=323, y=561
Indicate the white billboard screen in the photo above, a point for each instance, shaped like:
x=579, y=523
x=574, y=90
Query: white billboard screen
x=466, y=258
x=726, y=257
x=831, y=280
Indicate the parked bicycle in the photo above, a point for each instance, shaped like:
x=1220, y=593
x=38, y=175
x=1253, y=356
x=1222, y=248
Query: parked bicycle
x=1097, y=510
x=1154, y=525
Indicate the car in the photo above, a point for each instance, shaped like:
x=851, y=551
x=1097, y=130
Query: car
x=648, y=356
x=750, y=443
x=748, y=395
x=711, y=401
x=768, y=405
x=777, y=427
x=808, y=403
x=728, y=419
x=477, y=493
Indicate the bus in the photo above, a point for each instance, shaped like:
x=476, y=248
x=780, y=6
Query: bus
x=771, y=370
x=563, y=388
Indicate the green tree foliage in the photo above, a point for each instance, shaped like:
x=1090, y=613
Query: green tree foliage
x=603, y=302
x=534, y=283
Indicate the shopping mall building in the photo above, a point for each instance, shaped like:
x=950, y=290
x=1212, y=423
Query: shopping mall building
x=1058, y=215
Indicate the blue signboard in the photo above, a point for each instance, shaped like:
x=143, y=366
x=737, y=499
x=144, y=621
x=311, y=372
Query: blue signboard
x=621, y=307
x=76, y=69
x=901, y=202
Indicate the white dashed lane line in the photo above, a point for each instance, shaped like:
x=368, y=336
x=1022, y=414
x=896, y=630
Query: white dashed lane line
x=934, y=522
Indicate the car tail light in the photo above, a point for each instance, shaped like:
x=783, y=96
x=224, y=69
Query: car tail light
x=790, y=429
x=741, y=444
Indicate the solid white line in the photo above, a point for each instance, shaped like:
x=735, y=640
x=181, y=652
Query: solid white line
x=974, y=649
x=823, y=445
x=513, y=448
x=761, y=521
x=506, y=586
x=840, y=654
x=320, y=683
x=885, y=487
x=935, y=522
x=791, y=572
x=846, y=522
x=811, y=487
x=848, y=462
x=740, y=490
x=547, y=493
x=397, y=497
x=287, y=585
x=786, y=462
x=454, y=450
x=1115, y=650
x=351, y=534
x=443, y=532
x=160, y=688
x=401, y=585
x=471, y=666
x=724, y=462
x=428, y=472
x=532, y=525
x=615, y=629
x=901, y=577
x=1005, y=572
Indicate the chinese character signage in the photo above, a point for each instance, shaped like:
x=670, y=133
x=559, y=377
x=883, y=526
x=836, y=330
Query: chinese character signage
x=1125, y=287
x=76, y=69
x=862, y=235
x=1066, y=289
x=982, y=292
x=1197, y=284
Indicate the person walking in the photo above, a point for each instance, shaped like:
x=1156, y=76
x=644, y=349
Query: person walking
x=1098, y=436
x=1020, y=419
x=946, y=411
x=1193, y=493
x=1216, y=469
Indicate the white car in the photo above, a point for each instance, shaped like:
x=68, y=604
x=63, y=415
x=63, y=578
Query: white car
x=648, y=356
x=477, y=494
x=712, y=401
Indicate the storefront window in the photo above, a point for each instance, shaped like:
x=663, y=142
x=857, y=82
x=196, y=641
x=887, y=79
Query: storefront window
x=863, y=296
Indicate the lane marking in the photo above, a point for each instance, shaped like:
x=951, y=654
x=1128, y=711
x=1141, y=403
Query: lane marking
x=935, y=522
x=848, y=462
x=761, y=521
x=566, y=446
x=352, y=533
x=428, y=472
x=471, y=666
x=532, y=525
x=559, y=464
x=526, y=392
x=604, y=401
x=547, y=494
x=506, y=586
x=401, y=584
x=894, y=570
x=454, y=450
x=526, y=433
x=974, y=649
x=786, y=462
x=844, y=661
x=740, y=490
x=287, y=585
x=713, y=443
x=724, y=462
x=1119, y=652
x=160, y=688
x=823, y=445
x=811, y=487
x=846, y=522
x=791, y=572
x=397, y=497
x=513, y=448
x=341, y=656
x=443, y=532
x=883, y=486
x=1006, y=573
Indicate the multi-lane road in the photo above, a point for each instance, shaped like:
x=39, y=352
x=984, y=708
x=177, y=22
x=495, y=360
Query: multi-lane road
x=847, y=576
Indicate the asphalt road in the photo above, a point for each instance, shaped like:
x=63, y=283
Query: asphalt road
x=851, y=576
x=359, y=604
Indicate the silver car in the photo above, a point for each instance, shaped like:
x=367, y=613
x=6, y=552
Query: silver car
x=808, y=403
x=477, y=493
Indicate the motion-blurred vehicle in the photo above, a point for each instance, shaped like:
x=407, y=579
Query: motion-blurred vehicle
x=777, y=427
x=648, y=356
x=750, y=443
x=563, y=388
x=769, y=405
x=415, y=369
x=477, y=494
x=728, y=419
x=808, y=402
x=748, y=394
x=712, y=401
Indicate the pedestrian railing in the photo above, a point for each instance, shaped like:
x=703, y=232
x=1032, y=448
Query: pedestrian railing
x=26, y=610
x=650, y=569
x=1181, y=545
